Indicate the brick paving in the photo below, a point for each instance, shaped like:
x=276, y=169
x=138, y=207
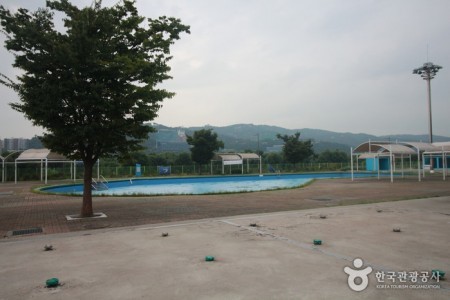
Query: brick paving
x=21, y=208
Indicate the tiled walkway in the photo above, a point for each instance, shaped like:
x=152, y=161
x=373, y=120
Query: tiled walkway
x=20, y=208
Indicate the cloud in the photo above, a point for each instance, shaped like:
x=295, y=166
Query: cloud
x=335, y=65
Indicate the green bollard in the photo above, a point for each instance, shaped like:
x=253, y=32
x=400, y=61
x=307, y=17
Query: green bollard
x=52, y=282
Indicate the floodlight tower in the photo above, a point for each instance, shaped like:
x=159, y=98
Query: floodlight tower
x=427, y=72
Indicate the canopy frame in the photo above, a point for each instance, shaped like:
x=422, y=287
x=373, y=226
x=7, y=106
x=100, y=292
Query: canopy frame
x=377, y=149
x=237, y=159
x=41, y=156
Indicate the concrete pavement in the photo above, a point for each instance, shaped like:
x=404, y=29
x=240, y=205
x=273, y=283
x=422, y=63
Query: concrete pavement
x=275, y=259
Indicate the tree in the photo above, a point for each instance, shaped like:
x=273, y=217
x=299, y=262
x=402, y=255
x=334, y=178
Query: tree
x=93, y=85
x=294, y=150
x=183, y=159
x=204, y=142
x=132, y=158
x=35, y=143
x=158, y=159
x=274, y=158
x=335, y=156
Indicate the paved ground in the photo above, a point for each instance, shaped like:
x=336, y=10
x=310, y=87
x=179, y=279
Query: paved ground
x=21, y=209
x=273, y=260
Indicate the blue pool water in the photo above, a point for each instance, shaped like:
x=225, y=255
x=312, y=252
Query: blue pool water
x=200, y=185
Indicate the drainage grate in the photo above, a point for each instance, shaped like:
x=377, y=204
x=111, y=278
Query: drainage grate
x=6, y=193
x=27, y=231
x=322, y=198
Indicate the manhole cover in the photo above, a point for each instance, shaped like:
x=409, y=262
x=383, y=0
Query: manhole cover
x=26, y=231
x=322, y=198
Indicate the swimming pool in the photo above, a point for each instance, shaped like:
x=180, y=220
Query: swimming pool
x=199, y=185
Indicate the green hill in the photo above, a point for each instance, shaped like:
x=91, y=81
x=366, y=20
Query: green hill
x=241, y=137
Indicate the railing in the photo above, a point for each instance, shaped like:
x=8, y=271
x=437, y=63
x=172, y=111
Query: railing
x=32, y=172
x=104, y=179
x=100, y=185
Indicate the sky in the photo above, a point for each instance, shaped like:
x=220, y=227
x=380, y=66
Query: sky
x=338, y=65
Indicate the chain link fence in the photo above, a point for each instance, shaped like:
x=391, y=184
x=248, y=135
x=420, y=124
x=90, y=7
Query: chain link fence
x=67, y=171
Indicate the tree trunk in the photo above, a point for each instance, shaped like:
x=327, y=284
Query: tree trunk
x=86, y=209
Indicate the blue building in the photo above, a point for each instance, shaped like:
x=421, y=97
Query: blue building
x=378, y=163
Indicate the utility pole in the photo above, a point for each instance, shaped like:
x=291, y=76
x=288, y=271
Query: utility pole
x=427, y=72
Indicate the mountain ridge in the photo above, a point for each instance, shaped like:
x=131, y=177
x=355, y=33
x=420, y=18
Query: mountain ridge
x=242, y=137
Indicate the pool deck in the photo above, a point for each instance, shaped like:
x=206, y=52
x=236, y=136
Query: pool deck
x=124, y=255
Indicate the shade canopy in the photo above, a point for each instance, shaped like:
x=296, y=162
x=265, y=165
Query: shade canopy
x=394, y=148
x=229, y=157
x=236, y=159
x=40, y=154
x=379, y=149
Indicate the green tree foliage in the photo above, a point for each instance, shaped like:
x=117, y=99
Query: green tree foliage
x=204, y=142
x=159, y=159
x=183, y=159
x=156, y=159
x=274, y=158
x=137, y=157
x=93, y=85
x=294, y=150
x=35, y=143
x=335, y=156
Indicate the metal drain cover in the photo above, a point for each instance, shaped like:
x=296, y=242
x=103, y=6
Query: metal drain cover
x=324, y=198
x=26, y=231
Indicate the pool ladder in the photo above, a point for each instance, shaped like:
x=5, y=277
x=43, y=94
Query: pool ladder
x=100, y=185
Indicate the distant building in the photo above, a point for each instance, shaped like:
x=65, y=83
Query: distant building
x=15, y=144
x=182, y=135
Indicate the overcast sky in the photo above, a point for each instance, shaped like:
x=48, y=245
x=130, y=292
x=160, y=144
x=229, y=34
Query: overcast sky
x=343, y=65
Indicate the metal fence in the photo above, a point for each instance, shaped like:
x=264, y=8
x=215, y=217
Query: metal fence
x=63, y=171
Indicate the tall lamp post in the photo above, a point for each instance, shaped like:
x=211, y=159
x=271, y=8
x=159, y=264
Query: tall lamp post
x=427, y=72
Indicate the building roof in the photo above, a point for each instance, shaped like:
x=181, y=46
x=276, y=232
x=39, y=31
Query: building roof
x=422, y=146
x=227, y=157
x=442, y=146
x=395, y=148
x=235, y=156
x=248, y=155
x=40, y=154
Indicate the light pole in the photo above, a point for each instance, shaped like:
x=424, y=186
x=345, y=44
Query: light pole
x=427, y=72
